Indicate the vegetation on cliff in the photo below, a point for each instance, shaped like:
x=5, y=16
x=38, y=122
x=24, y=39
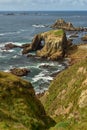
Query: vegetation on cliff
x=66, y=99
x=19, y=107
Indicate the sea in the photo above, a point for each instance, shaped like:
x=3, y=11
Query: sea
x=19, y=27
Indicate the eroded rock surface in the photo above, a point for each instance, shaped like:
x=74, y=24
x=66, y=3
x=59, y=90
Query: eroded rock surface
x=51, y=45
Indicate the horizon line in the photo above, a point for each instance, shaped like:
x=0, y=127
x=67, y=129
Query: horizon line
x=41, y=10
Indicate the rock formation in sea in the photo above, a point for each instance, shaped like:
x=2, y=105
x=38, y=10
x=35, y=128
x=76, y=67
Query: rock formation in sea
x=10, y=46
x=68, y=26
x=20, y=71
x=51, y=45
x=19, y=107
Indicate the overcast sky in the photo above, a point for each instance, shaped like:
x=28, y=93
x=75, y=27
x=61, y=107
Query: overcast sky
x=43, y=5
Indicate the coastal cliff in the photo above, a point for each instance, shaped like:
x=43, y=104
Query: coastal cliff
x=66, y=99
x=19, y=107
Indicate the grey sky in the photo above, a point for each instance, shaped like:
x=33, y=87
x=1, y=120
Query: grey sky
x=43, y=4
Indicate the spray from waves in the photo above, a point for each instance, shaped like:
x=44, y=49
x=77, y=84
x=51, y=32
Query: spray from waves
x=13, y=33
x=42, y=76
x=39, y=26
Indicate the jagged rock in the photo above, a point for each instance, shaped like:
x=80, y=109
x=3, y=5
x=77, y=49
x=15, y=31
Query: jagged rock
x=20, y=71
x=84, y=38
x=61, y=24
x=45, y=66
x=35, y=45
x=19, y=107
x=55, y=45
x=52, y=45
x=10, y=46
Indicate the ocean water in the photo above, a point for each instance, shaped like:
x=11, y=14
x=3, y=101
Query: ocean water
x=19, y=28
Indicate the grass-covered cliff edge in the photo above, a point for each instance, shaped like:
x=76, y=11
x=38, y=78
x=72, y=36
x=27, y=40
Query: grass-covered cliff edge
x=19, y=107
x=66, y=99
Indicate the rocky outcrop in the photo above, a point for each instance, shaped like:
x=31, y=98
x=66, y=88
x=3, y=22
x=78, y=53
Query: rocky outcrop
x=61, y=24
x=20, y=71
x=66, y=99
x=19, y=107
x=84, y=38
x=35, y=45
x=10, y=46
x=55, y=45
x=51, y=45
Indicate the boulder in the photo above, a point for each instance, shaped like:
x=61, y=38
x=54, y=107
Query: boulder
x=20, y=71
x=10, y=46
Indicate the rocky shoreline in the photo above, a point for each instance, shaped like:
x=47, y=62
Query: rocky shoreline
x=51, y=45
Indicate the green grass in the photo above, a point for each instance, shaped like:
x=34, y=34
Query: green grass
x=64, y=90
x=59, y=32
x=19, y=107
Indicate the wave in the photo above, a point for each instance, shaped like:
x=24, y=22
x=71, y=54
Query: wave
x=39, y=26
x=42, y=76
x=11, y=33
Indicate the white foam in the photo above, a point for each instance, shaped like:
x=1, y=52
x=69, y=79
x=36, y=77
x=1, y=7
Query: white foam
x=6, y=71
x=2, y=34
x=38, y=26
x=49, y=64
x=42, y=76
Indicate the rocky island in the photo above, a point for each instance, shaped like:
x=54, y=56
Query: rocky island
x=68, y=26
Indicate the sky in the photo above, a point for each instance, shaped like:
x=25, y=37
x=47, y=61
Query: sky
x=38, y=5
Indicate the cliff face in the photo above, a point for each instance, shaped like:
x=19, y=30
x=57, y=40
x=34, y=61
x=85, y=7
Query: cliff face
x=19, y=107
x=55, y=45
x=66, y=99
x=51, y=44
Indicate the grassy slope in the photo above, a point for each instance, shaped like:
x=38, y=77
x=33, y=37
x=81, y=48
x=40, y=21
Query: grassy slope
x=19, y=107
x=66, y=100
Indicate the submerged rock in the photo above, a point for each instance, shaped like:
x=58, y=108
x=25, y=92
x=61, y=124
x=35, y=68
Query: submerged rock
x=10, y=46
x=19, y=107
x=20, y=71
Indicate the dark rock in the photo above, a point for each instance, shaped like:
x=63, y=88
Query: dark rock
x=19, y=71
x=74, y=36
x=45, y=66
x=10, y=46
x=35, y=45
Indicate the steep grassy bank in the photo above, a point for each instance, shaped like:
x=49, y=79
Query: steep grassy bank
x=19, y=107
x=66, y=99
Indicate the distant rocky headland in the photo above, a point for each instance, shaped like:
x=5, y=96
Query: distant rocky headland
x=68, y=26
